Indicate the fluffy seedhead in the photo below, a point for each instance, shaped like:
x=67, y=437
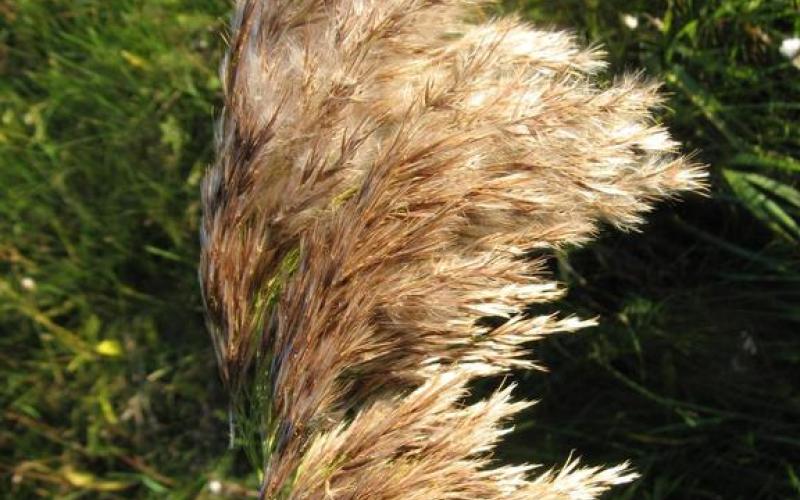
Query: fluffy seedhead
x=389, y=173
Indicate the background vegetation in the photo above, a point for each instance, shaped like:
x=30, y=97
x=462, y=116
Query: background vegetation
x=109, y=386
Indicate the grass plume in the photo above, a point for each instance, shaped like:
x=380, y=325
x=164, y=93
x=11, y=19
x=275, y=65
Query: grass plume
x=414, y=161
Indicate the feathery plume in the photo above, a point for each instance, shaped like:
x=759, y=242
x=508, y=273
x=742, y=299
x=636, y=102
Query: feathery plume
x=387, y=173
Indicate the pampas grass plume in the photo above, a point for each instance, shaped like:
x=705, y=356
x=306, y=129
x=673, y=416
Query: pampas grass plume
x=388, y=173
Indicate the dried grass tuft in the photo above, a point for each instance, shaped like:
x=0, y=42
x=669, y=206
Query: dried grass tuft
x=387, y=172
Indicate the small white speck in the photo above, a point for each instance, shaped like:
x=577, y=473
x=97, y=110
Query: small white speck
x=790, y=47
x=28, y=283
x=631, y=21
x=749, y=344
x=215, y=487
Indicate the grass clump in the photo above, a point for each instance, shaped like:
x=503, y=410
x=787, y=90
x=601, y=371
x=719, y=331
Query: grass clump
x=109, y=380
x=109, y=383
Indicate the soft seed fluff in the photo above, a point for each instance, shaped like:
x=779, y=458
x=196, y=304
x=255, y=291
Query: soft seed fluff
x=388, y=173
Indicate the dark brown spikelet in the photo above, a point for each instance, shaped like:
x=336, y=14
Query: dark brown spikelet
x=386, y=169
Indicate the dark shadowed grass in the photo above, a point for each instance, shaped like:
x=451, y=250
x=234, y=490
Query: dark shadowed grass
x=109, y=386
x=693, y=373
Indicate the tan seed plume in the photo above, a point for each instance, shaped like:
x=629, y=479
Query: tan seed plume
x=387, y=173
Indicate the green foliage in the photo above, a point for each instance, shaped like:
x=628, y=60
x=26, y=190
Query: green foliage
x=110, y=387
x=109, y=381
